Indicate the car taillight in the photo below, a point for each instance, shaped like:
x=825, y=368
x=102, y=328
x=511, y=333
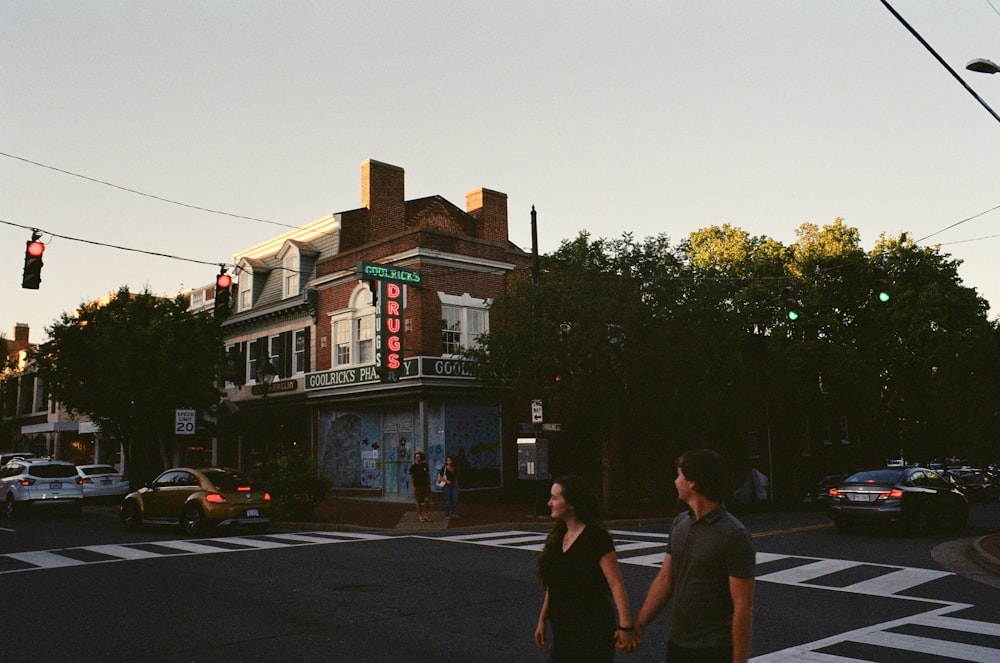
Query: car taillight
x=27, y=481
x=834, y=492
x=267, y=497
x=215, y=498
x=893, y=494
x=83, y=480
x=243, y=489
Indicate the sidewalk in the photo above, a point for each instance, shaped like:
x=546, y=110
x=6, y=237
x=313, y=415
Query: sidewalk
x=380, y=513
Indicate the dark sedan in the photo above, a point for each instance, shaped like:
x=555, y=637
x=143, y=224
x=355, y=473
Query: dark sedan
x=915, y=498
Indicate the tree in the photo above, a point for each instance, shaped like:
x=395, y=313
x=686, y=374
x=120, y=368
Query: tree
x=704, y=355
x=128, y=365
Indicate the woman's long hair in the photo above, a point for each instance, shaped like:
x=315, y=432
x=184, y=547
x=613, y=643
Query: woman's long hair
x=582, y=498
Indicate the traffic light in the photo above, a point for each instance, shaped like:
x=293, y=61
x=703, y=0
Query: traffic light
x=790, y=295
x=31, y=278
x=222, y=284
x=883, y=283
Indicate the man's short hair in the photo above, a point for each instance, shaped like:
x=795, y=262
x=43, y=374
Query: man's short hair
x=707, y=470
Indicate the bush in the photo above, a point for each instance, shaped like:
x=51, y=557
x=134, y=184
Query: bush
x=296, y=485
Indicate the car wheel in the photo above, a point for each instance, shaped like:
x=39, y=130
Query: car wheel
x=10, y=510
x=131, y=518
x=193, y=520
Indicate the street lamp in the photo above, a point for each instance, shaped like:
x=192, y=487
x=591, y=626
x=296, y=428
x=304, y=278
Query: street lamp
x=266, y=374
x=982, y=66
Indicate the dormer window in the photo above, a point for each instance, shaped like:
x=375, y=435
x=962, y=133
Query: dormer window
x=245, y=285
x=290, y=273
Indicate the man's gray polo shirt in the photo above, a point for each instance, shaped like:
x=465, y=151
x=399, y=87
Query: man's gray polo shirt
x=704, y=555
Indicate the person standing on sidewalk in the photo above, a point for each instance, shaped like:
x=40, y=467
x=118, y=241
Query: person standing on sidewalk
x=449, y=476
x=420, y=481
x=580, y=571
x=708, y=569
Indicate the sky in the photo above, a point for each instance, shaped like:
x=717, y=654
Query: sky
x=658, y=117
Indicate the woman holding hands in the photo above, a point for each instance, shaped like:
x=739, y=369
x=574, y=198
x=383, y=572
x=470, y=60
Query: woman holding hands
x=580, y=571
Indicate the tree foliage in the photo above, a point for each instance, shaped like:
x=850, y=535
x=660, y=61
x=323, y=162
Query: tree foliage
x=128, y=365
x=658, y=348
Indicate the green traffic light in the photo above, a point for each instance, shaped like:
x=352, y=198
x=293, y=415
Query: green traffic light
x=884, y=296
x=793, y=315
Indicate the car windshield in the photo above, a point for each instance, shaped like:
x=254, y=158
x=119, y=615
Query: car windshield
x=885, y=477
x=52, y=471
x=226, y=480
x=99, y=469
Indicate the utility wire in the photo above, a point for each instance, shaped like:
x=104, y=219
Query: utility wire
x=147, y=195
x=958, y=223
x=112, y=246
x=941, y=60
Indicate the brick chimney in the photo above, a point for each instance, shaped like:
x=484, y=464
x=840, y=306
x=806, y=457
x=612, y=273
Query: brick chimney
x=490, y=210
x=382, y=193
x=20, y=342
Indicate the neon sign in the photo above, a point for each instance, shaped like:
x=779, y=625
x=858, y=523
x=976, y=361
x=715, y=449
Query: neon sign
x=389, y=282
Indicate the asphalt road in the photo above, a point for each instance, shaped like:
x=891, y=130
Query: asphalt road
x=87, y=590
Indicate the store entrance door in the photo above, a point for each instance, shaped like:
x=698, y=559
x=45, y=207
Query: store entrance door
x=398, y=455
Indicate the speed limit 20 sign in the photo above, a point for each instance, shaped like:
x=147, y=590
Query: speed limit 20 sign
x=184, y=423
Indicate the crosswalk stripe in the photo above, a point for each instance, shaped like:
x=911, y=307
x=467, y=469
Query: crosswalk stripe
x=958, y=624
x=122, y=552
x=954, y=650
x=806, y=572
x=44, y=559
x=191, y=547
x=654, y=559
x=897, y=581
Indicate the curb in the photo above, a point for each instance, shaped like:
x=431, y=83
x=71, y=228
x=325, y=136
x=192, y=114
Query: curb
x=983, y=558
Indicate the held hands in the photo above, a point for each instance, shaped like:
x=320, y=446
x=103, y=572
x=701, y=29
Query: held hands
x=628, y=641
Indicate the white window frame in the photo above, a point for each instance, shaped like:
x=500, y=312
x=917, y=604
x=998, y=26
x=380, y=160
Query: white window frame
x=467, y=308
x=245, y=289
x=290, y=265
x=359, y=311
x=299, y=355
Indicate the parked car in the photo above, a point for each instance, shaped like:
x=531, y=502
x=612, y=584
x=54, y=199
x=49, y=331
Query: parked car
x=198, y=500
x=913, y=497
x=102, y=481
x=977, y=485
x=8, y=456
x=819, y=497
x=30, y=483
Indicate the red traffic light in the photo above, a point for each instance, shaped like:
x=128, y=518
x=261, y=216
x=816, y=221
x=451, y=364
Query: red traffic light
x=35, y=249
x=223, y=281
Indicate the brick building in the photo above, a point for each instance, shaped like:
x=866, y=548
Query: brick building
x=33, y=422
x=302, y=311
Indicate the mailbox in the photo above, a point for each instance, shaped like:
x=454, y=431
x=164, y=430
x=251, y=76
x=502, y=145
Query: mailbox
x=532, y=458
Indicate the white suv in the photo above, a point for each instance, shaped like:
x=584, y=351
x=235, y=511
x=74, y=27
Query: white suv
x=27, y=483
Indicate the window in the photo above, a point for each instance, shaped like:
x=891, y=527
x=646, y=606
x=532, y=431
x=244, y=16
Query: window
x=274, y=354
x=463, y=320
x=366, y=339
x=245, y=286
x=252, y=360
x=290, y=265
x=342, y=342
x=354, y=330
x=300, y=363
x=451, y=329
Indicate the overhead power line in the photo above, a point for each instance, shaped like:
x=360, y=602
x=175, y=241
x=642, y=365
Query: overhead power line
x=144, y=194
x=111, y=246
